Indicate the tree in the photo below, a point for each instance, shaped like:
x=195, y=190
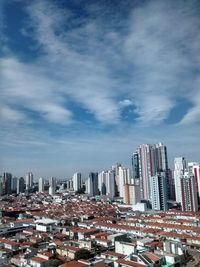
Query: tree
x=54, y=263
x=82, y=254
x=81, y=190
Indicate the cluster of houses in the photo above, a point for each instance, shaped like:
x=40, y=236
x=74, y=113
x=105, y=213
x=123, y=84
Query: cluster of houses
x=40, y=232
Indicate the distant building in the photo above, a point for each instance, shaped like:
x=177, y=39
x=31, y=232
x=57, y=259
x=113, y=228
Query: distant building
x=158, y=185
x=52, y=186
x=124, y=178
x=69, y=185
x=135, y=165
x=106, y=183
x=179, y=169
x=14, y=184
x=77, y=183
x=188, y=192
x=92, y=184
x=194, y=170
x=20, y=185
x=6, y=183
x=29, y=181
x=115, y=169
x=171, y=186
x=148, y=160
x=131, y=194
x=41, y=184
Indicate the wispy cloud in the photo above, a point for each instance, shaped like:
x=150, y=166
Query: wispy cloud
x=119, y=71
x=82, y=61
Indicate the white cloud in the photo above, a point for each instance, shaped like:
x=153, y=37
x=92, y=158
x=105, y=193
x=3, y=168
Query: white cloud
x=125, y=103
x=146, y=64
x=76, y=64
x=7, y=114
x=24, y=85
x=162, y=48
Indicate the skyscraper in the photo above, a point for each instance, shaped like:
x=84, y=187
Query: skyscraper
x=6, y=183
x=188, y=192
x=41, y=184
x=124, y=178
x=14, y=184
x=115, y=169
x=92, y=184
x=77, y=183
x=135, y=165
x=158, y=185
x=148, y=160
x=29, y=181
x=194, y=170
x=52, y=186
x=106, y=183
x=131, y=194
x=179, y=169
x=20, y=185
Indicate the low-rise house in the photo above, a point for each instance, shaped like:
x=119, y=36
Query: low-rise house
x=68, y=251
x=39, y=262
x=12, y=245
x=46, y=225
x=125, y=248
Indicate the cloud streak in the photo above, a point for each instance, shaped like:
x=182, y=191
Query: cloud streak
x=99, y=71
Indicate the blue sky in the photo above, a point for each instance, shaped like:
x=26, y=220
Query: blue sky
x=83, y=83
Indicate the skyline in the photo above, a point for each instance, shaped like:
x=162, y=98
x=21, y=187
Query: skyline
x=84, y=83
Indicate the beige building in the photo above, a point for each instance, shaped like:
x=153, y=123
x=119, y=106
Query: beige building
x=131, y=194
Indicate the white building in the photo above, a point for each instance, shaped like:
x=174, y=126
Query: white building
x=146, y=162
x=106, y=183
x=45, y=225
x=92, y=184
x=124, y=178
x=29, y=180
x=52, y=186
x=77, y=181
x=41, y=184
x=179, y=168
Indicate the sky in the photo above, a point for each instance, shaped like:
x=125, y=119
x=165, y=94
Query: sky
x=83, y=83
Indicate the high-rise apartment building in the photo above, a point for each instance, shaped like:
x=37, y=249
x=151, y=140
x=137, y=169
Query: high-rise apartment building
x=158, y=185
x=92, y=184
x=20, y=185
x=179, y=169
x=115, y=169
x=6, y=183
x=29, y=181
x=135, y=165
x=106, y=183
x=194, y=170
x=14, y=184
x=77, y=183
x=131, y=194
x=52, y=186
x=124, y=178
x=188, y=192
x=146, y=162
x=41, y=185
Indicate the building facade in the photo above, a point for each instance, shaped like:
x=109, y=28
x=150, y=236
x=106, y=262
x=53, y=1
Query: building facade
x=77, y=183
x=92, y=184
x=189, y=200
x=158, y=184
x=29, y=181
x=179, y=169
x=146, y=162
x=41, y=184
